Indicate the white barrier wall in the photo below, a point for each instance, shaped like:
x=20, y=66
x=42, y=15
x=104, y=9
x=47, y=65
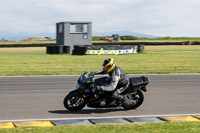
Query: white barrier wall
x=102, y=51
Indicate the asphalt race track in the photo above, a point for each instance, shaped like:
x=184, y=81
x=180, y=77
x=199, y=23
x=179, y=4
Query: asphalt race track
x=42, y=97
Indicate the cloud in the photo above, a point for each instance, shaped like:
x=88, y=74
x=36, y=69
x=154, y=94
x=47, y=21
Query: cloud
x=153, y=17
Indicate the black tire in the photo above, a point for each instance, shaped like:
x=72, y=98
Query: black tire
x=139, y=97
x=74, y=102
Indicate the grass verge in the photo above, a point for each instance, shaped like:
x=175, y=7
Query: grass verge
x=163, y=60
x=23, y=49
x=172, y=48
x=161, y=127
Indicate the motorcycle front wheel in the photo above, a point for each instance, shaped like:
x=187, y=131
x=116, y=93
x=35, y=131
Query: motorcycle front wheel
x=139, y=97
x=74, y=102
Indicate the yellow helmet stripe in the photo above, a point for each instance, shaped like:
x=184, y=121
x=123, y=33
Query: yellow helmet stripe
x=111, y=61
x=111, y=68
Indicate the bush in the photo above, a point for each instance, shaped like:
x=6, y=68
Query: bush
x=128, y=38
x=95, y=38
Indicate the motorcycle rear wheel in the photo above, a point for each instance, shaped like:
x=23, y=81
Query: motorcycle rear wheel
x=139, y=97
x=74, y=102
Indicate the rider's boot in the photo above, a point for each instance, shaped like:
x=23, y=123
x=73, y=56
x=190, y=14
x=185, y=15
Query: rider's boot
x=121, y=99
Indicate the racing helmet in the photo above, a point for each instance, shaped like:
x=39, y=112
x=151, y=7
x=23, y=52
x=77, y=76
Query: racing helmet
x=110, y=64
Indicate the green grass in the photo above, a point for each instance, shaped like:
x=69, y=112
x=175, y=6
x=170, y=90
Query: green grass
x=162, y=127
x=172, y=48
x=157, y=39
x=159, y=60
x=29, y=42
x=170, y=39
x=43, y=64
x=23, y=49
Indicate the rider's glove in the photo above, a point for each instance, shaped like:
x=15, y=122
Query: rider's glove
x=93, y=73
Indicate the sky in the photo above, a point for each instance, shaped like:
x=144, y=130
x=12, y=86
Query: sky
x=175, y=18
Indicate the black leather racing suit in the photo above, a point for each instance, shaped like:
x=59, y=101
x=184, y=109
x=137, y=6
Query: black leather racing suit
x=119, y=81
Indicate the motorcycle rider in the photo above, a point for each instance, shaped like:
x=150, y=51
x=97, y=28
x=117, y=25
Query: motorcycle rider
x=119, y=80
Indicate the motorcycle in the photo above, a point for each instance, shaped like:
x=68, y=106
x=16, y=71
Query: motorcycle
x=86, y=93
